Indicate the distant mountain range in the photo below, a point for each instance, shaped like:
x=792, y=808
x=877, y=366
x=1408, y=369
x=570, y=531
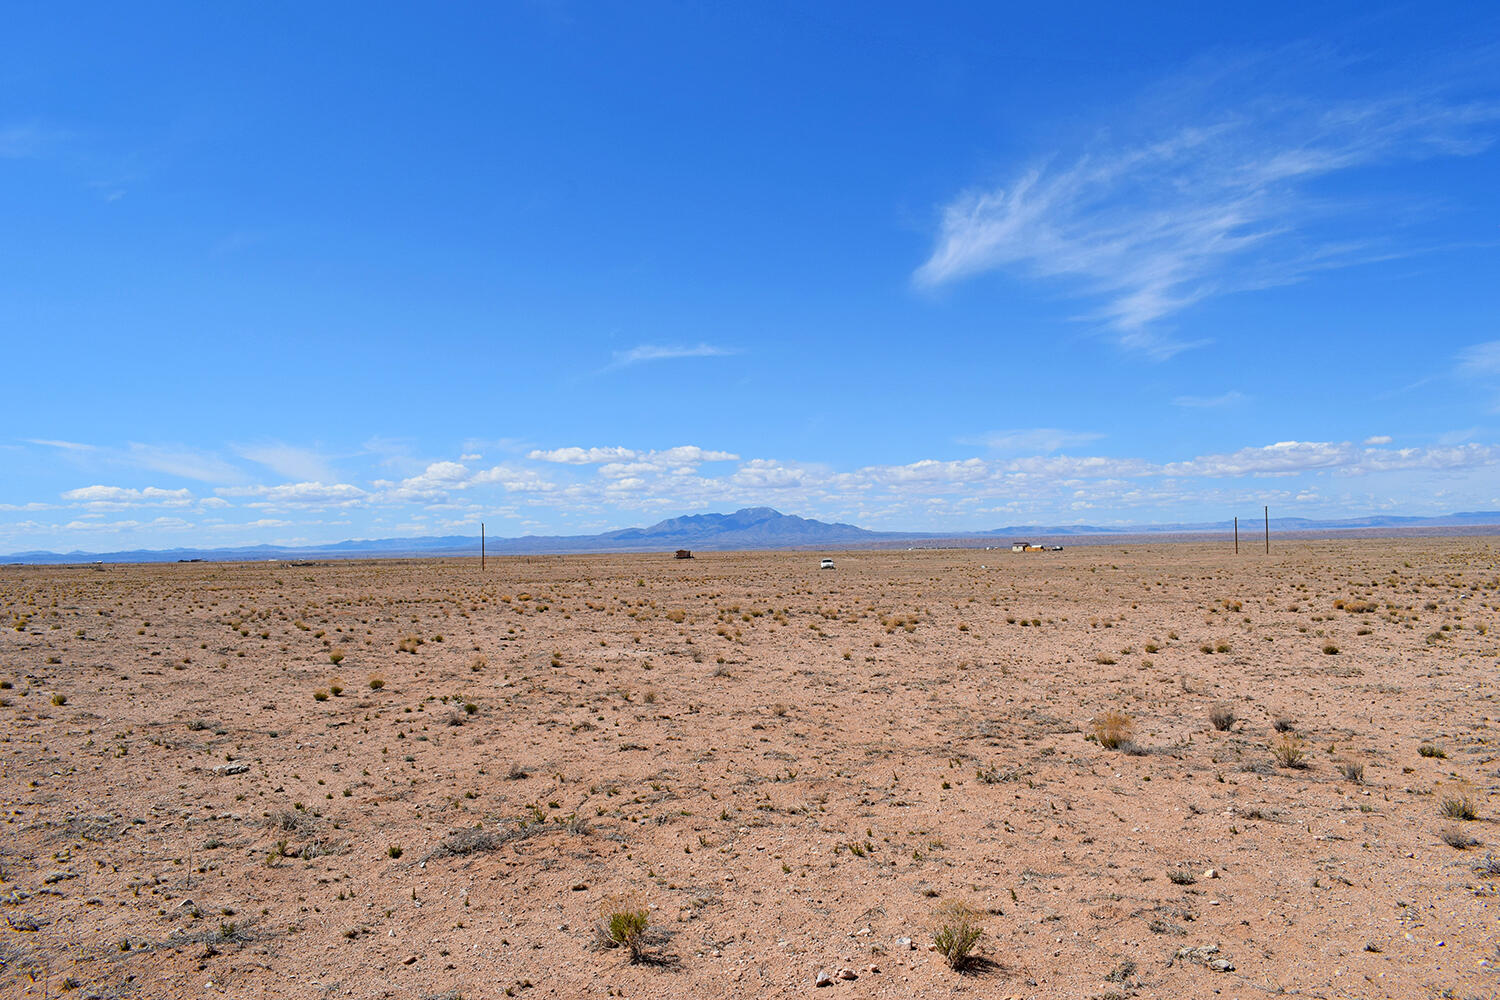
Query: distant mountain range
x=750, y=528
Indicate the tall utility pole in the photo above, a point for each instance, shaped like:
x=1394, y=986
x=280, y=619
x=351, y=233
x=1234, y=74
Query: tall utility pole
x=1236, y=535
x=481, y=546
x=1268, y=530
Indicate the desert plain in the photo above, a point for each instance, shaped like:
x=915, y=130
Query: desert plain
x=417, y=779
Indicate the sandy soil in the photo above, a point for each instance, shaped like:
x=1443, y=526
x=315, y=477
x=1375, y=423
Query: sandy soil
x=793, y=771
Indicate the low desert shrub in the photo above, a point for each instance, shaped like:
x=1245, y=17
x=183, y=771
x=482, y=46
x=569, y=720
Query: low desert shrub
x=1459, y=802
x=461, y=843
x=1458, y=837
x=1354, y=771
x=1290, y=751
x=624, y=925
x=956, y=930
x=1222, y=717
x=1114, y=729
x=1431, y=750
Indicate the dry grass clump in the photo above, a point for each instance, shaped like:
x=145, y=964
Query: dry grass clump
x=1290, y=751
x=1353, y=770
x=1457, y=837
x=335, y=656
x=461, y=843
x=376, y=682
x=1459, y=802
x=1283, y=725
x=957, y=928
x=623, y=924
x=1114, y=730
x=1222, y=716
x=1431, y=750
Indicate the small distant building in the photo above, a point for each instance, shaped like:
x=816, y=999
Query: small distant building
x=1033, y=547
x=684, y=554
x=1019, y=546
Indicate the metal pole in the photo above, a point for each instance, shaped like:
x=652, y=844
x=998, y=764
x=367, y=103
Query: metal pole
x=1268, y=530
x=481, y=546
x=1236, y=535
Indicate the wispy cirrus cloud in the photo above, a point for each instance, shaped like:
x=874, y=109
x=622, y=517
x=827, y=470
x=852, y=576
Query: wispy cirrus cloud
x=1480, y=359
x=174, y=460
x=658, y=352
x=24, y=141
x=1217, y=203
x=1043, y=440
x=1230, y=398
x=290, y=461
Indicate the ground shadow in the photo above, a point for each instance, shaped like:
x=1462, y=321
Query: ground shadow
x=658, y=960
x=980, y=967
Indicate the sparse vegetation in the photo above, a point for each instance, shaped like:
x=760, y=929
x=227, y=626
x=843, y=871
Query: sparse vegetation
x=1458, y=837
x=1290, y=751
x=624, y=925
x=957, y=928
x=1459, y=801
x=1114, y=730
x=947, y=765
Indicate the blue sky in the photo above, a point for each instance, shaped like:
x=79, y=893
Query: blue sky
x=306, y=272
